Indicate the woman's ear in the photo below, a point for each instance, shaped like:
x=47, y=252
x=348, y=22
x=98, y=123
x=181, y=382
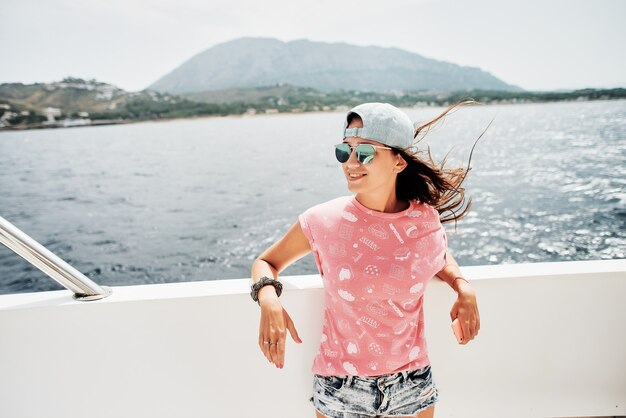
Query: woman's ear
x=401, y=163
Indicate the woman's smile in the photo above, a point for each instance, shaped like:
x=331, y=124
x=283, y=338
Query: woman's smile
x=353, y=177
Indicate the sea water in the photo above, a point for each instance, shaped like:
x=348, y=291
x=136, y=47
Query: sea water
x=200, y=199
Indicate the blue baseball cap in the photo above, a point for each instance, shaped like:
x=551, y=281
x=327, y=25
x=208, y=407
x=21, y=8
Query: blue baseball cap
x=383, y=123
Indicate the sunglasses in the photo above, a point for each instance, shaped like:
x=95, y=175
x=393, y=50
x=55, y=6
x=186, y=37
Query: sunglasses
x=364, y=152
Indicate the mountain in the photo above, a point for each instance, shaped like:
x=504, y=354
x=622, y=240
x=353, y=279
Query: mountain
x=256, y=62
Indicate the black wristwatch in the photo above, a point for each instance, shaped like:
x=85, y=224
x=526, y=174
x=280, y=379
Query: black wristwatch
x=264, y=282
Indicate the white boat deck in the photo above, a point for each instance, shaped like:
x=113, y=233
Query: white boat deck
x=552, y=344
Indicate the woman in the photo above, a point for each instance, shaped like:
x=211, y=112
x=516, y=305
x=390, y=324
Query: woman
x=376, y=251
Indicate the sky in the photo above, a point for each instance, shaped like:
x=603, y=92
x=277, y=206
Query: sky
x=536, y=45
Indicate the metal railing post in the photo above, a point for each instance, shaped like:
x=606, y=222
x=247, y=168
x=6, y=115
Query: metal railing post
x=84, y=289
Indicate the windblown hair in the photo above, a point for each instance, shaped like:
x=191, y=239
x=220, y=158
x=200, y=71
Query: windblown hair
x=436, y=185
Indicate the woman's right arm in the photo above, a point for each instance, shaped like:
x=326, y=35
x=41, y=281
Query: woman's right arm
x=274, y=318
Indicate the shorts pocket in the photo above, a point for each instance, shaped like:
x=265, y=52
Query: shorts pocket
x=419, y=377
x=331, y=383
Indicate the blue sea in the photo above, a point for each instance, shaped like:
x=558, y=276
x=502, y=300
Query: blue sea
x=200, y=199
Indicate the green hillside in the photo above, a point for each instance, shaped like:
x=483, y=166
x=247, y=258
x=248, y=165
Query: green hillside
x=91, y=102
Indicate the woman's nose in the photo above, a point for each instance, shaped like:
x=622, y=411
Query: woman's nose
x=353, y=161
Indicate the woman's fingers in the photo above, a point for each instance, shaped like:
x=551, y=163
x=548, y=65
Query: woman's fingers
x=271, y=344
x=468, y=327
x=292, y=328
x=274, y=352
x=273, y=329
x=473, y=325
x=262, y=345
x=472, y=328
x=266, y=351
x=280, y=361
x=269, y=350
x=265, y=348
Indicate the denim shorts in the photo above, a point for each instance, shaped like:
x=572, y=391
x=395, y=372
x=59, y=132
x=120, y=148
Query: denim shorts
x=392, y=395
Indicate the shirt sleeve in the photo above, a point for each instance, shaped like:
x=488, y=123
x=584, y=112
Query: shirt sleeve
x=306, y=229
x=307, y=222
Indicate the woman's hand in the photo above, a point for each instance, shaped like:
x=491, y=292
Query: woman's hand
x=466, y=309
x=274, y=321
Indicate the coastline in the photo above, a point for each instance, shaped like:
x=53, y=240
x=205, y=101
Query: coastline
x=60, y=124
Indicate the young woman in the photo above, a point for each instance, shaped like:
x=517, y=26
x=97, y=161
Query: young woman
x=376, y=250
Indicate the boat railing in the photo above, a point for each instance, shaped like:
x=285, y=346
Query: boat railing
x=84, y=289
x=551, y=344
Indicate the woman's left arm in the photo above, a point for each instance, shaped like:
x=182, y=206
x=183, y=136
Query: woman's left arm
x=465, y=308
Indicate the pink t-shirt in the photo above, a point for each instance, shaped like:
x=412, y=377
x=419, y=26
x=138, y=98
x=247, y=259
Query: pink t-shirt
x=375, y=267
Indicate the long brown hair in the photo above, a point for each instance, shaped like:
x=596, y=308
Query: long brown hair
x=438, y=186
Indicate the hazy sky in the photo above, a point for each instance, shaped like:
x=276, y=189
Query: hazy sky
x=537, y=45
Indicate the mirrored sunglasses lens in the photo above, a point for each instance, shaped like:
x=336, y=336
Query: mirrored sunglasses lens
x=342, y=152
x=365, y=153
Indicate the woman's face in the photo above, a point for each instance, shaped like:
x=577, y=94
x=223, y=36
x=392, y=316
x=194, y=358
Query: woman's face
x=379, y=175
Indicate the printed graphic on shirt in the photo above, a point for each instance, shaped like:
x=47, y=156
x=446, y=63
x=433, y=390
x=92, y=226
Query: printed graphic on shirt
x=400, y=327
x=345, y=272
x=401, y=254
x=397, y=346
x=352, y=347
x=415, y=351
x=368, y=321
x=390, y=290
x=349, y=216
x=346, y=295
x=344, y=327
x=396, y=271
x=376, y=349
x=350, y=368
x=371, y=271
x=370, y=243
x=376, y=308
x=396, y=233
x=410, y=230
x=338, y=250
x=378, y=231
x=346, y=231
x=414, y=214
x=416, y=288
x=409, y=304
x=395, y=308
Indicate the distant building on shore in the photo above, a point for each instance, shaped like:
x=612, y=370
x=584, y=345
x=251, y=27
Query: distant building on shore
x=51, y=113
